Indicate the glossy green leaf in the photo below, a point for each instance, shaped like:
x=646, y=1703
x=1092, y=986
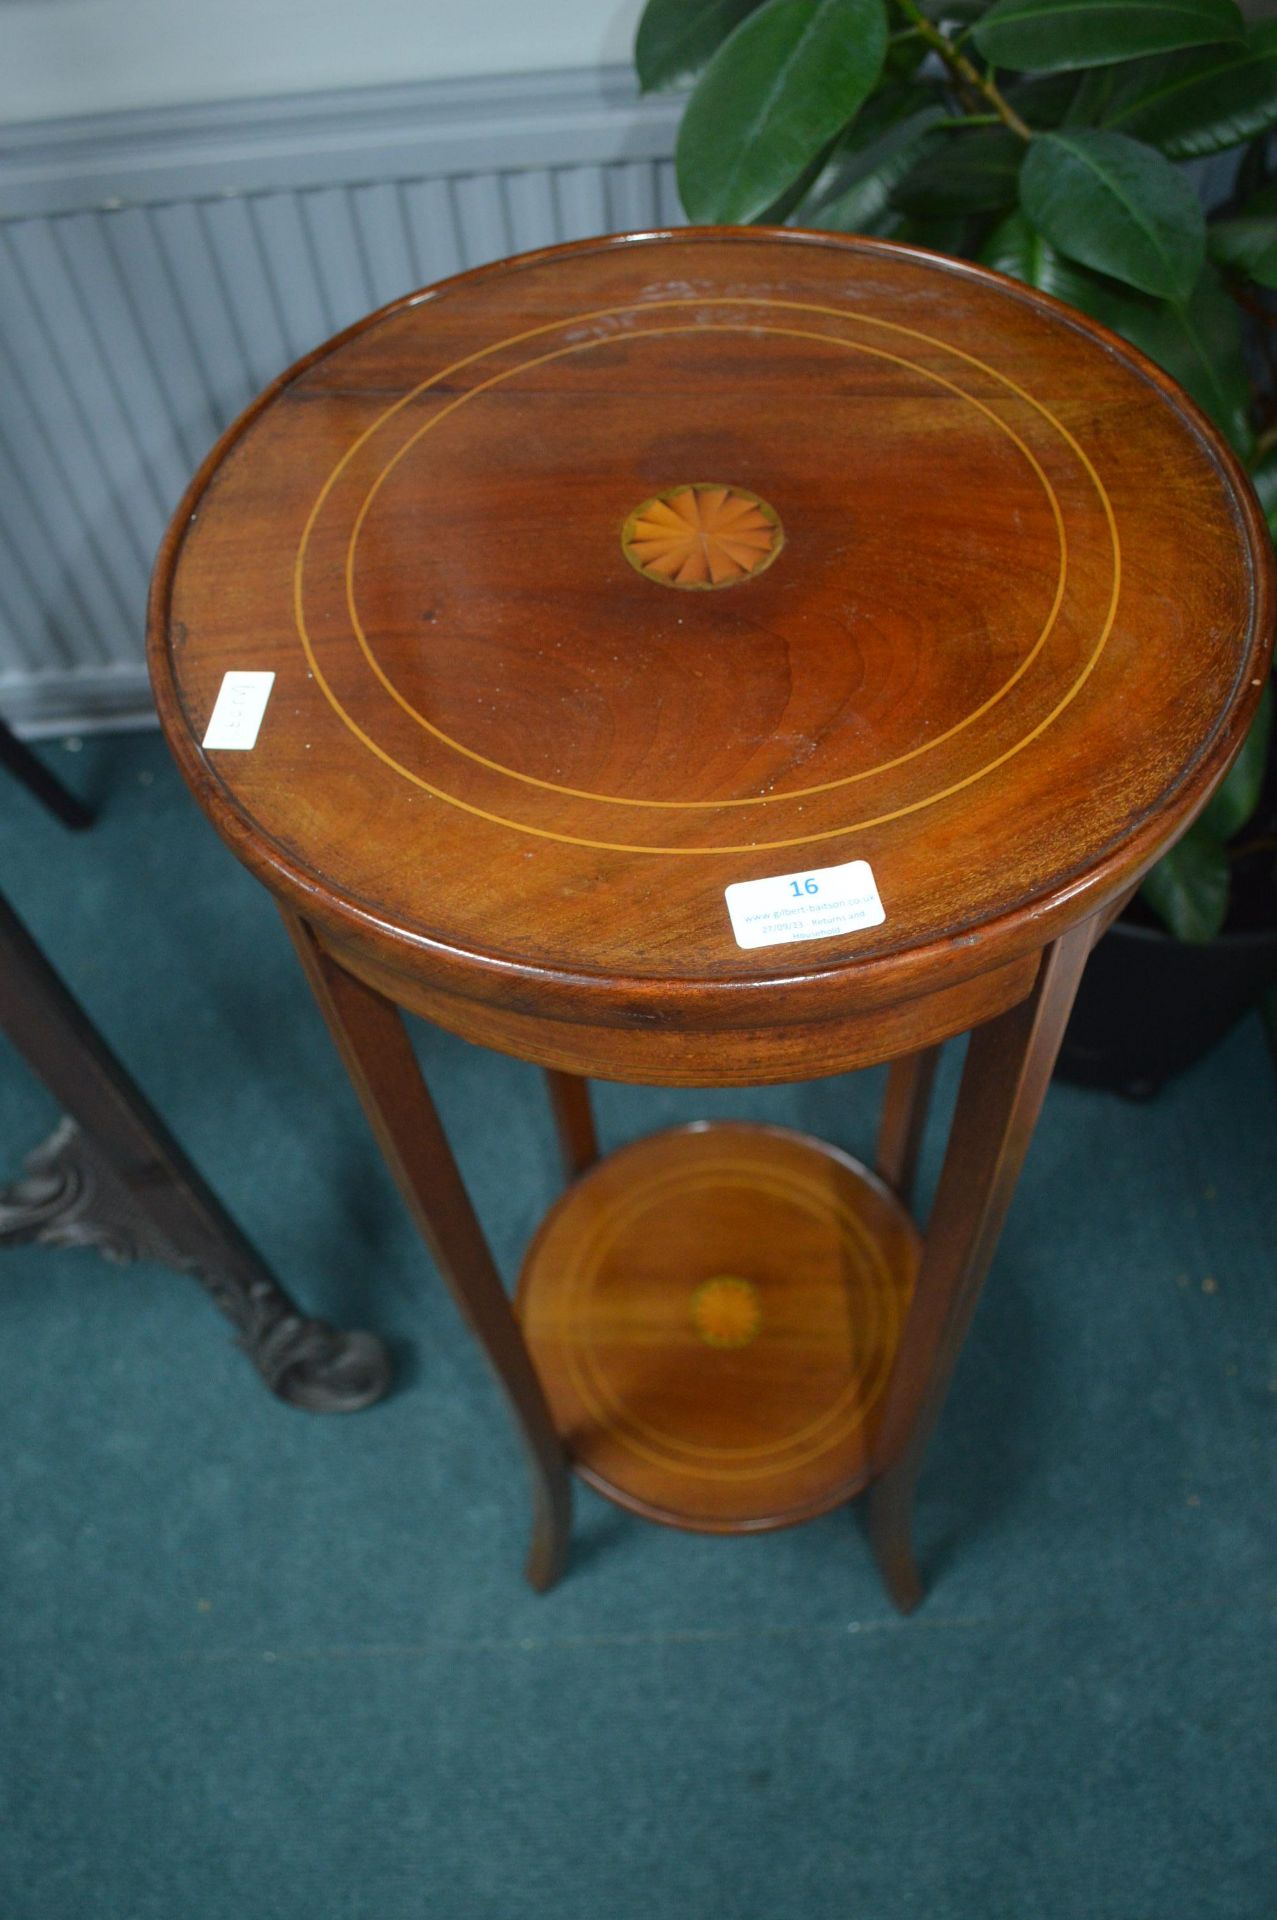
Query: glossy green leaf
x=772, y=97
x=945, y=233
x=1247, y=241
x=1236, y=798
x=1198, y=342
x=957, y=13
x=1188, y=888
x=1246, y=246
x=1263, y=477
x=1102, y=90
x=1191, y=104
x=676, y=38
x=905, y=54
x=890, y=103
x=798, y=191
x=1116, y=206
x=974, y=171
x=1044, y=99
x=1054, y=36
x=1261, y=205
x=878, y=129
x=856, y=198
x=1017, y=248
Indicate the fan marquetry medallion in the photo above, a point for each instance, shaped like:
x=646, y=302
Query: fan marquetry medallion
x=702, y=535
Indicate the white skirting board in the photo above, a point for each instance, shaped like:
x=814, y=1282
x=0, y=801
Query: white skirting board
x=157, y=269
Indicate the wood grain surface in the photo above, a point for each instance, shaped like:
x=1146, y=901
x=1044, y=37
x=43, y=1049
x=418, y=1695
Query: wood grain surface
x=714, y=1313
x=1013, y=621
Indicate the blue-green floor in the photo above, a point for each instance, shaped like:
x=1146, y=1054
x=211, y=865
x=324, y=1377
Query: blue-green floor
x=264, y=1665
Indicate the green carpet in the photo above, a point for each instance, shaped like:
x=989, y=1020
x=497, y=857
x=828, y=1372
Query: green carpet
x=260, y=1665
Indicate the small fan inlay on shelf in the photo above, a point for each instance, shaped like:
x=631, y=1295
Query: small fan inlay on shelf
x=702, y=535
x=726, y=1311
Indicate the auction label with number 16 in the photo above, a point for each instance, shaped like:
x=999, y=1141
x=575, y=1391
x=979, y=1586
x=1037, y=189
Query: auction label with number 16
x=804, y=906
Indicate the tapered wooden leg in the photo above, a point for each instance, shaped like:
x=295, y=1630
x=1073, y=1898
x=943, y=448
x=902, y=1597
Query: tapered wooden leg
x=574, y=1119
x=904, y=1118
x=370, y=1036
x=1008, y=1068
x=1103, y=921
x=889, y=1514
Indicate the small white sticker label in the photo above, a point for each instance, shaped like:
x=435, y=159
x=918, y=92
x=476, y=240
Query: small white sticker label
x=804, y=906
x=237, y=712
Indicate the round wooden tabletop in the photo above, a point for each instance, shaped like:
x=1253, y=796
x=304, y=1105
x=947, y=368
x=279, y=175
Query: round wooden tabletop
x=600, y=581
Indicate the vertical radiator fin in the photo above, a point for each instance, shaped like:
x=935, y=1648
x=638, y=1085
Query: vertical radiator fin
x=158, y=269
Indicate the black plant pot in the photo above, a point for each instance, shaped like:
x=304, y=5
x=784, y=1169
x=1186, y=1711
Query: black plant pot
x=1150, y=1006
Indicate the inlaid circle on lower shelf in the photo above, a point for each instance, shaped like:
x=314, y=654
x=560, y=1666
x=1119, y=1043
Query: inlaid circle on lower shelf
x=725, y=1311
x=714, y=1312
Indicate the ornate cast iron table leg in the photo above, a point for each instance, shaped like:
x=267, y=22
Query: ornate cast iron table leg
x=113, y=1178
x=17, y=758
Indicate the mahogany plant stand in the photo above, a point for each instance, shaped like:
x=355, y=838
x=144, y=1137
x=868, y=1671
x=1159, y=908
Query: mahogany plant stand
x=717, y=658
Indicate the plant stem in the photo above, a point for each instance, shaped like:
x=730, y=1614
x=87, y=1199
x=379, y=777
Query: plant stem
x=964, y=72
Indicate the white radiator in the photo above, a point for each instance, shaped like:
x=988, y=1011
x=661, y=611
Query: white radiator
x=157, y=269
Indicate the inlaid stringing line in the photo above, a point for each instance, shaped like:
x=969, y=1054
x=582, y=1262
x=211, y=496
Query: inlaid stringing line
x=754, y=846
x=748, y=800
x=861, y=1394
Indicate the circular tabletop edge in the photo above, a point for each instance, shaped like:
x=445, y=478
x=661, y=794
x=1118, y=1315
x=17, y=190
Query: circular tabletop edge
x=961, y=953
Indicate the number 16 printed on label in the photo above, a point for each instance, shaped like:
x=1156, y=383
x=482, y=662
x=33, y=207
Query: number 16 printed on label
x=804, y=906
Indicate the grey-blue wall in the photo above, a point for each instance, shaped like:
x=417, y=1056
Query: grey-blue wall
x=157, y=268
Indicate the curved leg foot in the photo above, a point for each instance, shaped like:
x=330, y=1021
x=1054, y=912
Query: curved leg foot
x=889, y=1516
x=71, y=1195
x=317, y=1367
x=1004, y=1080
x=551, y=1535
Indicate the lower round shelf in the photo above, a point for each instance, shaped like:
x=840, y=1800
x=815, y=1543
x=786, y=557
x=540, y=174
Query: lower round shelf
x=713, y=1313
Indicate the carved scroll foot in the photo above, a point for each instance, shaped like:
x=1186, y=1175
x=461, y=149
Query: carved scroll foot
x=309, y=1363
x=70, y=1195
